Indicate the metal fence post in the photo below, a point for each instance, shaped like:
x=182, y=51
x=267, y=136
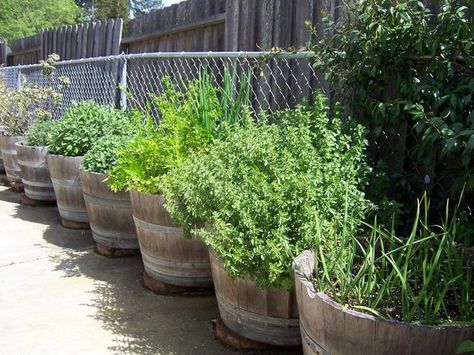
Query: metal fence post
x=123, y=85
x=18, y=80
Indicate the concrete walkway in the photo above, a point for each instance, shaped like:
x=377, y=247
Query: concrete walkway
x=57, y=296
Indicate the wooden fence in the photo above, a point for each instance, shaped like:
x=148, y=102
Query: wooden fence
x=192, y=25
x=93, y=39
x=3, y=52
x=26, y=50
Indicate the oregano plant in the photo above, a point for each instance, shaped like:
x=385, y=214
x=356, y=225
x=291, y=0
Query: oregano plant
x=260, y=186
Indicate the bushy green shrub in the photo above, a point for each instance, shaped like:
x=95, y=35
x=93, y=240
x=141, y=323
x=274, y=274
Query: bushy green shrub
x=83, y=125
x=157, y=148
x=37, y=134
x=30, y=102
x=103, y=154
x=408, y=72
x=261, y=187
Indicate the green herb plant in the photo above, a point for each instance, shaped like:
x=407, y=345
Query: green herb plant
x=189, y=120
x=260, y=187
x=37, y=134
x=83, y=124
x=103, y=154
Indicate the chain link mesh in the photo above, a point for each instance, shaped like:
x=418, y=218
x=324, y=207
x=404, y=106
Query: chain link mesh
x=277, y=81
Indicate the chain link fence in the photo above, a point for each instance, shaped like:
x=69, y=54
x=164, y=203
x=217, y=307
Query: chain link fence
x=278, y=81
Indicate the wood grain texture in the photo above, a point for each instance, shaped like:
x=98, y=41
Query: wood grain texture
x=193, y=25
x=167, y=255
x=110, y=213
x=67, y=186
x=101, y=38
x=10, y=158
x=262, y=315
x=35, y=172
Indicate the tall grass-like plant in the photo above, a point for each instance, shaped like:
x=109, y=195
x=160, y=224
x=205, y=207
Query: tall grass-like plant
x=235, y=94
x=423, y=277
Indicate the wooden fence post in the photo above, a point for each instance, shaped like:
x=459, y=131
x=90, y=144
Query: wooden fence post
x=3, y=51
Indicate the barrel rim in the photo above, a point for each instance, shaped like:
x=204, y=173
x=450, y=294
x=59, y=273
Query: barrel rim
x=12, y=136
x=84, y=171
x=146, y=193
x=65, y=156
x=305, y=262
x=22, y=143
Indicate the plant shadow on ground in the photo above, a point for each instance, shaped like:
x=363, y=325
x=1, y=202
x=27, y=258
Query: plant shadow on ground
x=141, y=321
x=7, y=195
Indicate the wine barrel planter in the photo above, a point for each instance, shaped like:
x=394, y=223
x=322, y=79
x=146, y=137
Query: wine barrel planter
x=268, y=316
x=168, y=257
x=328, y=328
x=110, y=214
x=67, y=186
x=10, y=160
x=35, y=172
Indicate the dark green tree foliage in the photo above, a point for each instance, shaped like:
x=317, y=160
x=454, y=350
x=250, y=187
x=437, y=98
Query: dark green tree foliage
x=112, y=9
x=20, y=18
x=141, y=7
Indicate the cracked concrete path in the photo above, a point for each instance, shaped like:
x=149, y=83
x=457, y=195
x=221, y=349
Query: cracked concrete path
x=57, y=296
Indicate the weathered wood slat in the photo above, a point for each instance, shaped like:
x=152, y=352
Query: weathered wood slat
x=167, y=256
x=70, y=42
x=3, y=51
x=262, y=315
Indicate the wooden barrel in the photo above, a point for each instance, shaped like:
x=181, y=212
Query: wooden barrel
x=110, y=213
x=167, y=256
x=35, y=172
x=267, y=316
x=328, y=328
x=10, y=160
x=67, y=187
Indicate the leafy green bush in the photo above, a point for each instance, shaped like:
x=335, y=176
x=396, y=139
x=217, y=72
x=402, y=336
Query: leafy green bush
x=103, y=154
x=189, y=120
x=261, y=187
x=408, y=72
x=423, y=277
x=83, y=125
x=37, y=134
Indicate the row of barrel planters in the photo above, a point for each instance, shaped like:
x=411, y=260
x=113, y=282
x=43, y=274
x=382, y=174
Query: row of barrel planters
x=173, y=264
x=172, y=213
